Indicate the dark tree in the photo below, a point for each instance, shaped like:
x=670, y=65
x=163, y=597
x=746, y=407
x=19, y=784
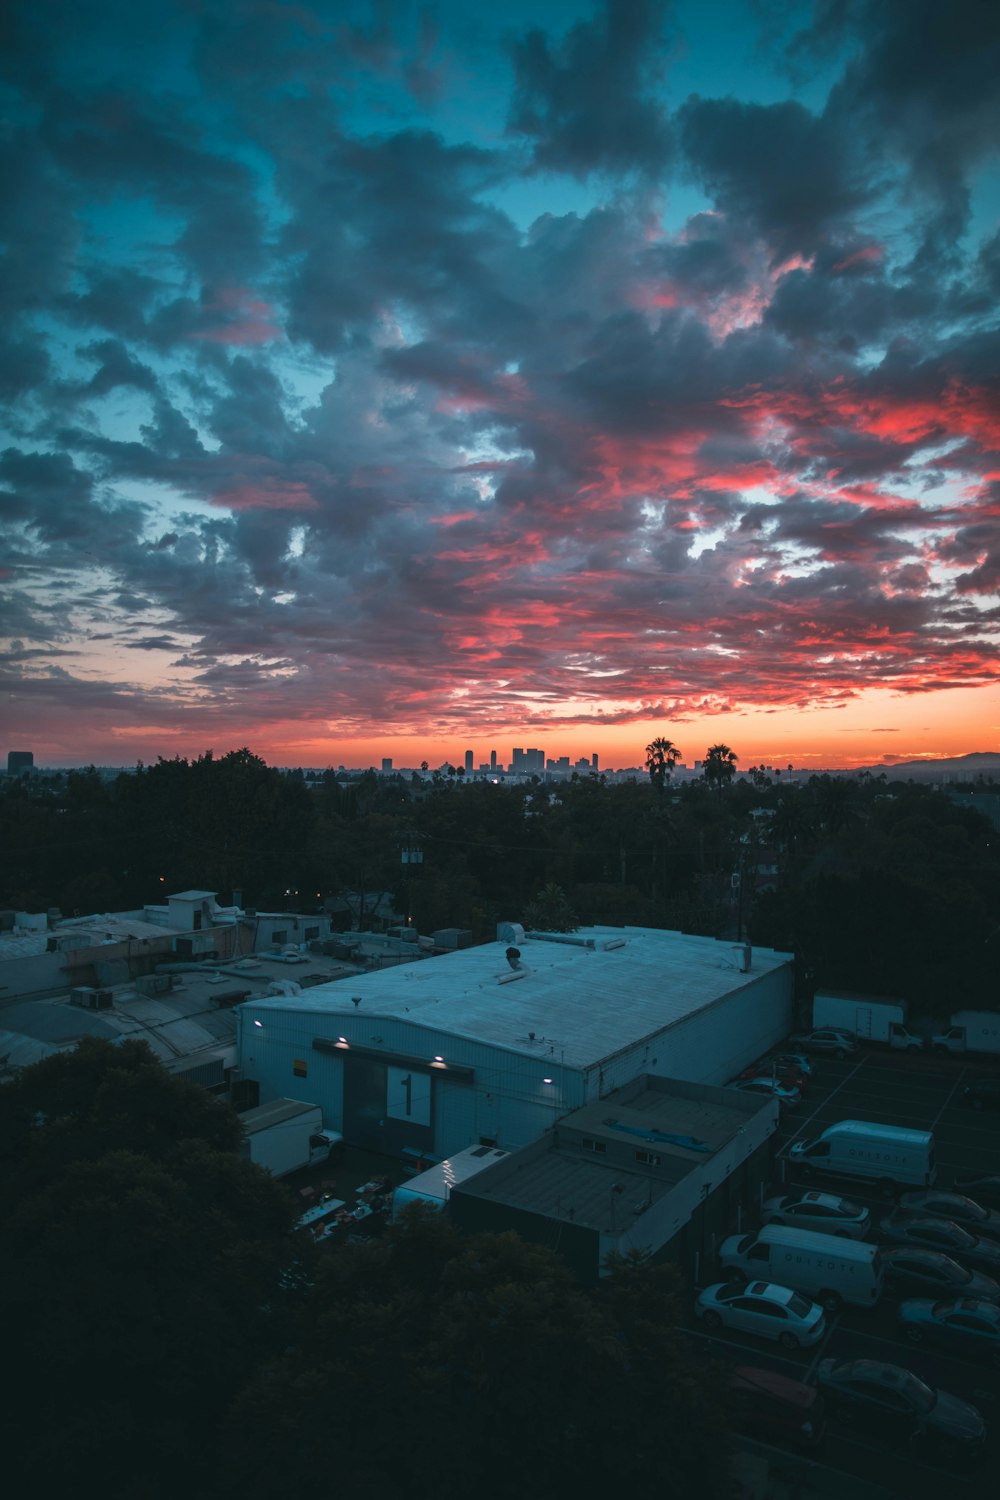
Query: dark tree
x=546, y=1389
x=147, y=1272
x=662, y=756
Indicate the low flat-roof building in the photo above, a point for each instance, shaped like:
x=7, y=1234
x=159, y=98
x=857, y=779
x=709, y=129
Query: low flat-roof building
x=494, y=1044
x=660, y=1166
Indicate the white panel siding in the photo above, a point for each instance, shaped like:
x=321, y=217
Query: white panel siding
x=710, y=1046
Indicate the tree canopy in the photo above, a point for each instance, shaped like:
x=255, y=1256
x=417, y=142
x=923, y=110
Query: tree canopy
x=168, y=1333
x=148, y=1270
x=542, y=1388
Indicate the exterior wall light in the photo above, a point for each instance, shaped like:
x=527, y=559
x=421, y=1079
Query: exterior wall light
x=546, y=1080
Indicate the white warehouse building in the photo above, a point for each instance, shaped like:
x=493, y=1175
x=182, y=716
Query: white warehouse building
x=494, y=1044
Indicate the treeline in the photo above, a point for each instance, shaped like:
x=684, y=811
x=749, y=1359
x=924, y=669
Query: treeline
x=886, y=887
x=167, y=1333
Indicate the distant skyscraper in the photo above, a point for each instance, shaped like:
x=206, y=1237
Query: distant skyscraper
x=493, y=760
x=593, y=761
x=19, y=761
x=387, y=763
x=468, y=762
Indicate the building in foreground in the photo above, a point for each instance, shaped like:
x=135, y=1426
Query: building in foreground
x=495, y=1044
x=660, y=1166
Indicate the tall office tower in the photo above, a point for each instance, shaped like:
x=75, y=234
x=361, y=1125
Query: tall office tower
x=493, y=760
x=517, y=759
x=387, y=763
x=534, y=760
x=593, y=762
x=468, y=762
x=20, y=761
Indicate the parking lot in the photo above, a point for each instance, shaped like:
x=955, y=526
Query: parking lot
x=922, y=1092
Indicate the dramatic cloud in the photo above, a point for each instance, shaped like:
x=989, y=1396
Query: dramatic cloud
x=372, y=372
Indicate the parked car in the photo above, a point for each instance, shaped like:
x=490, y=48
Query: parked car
x=822, y=1211
x=796, y=1060
x=788, y=1073
x=786, y=1096
x=764, y=1309
x=983, y=1186
x=984, y=1093
x=767, y=1405
x=918, y=1270
x=942, y=1234
x=953, y=1206
x=826, y=1039
x=964, y=1324
x=894, y=1401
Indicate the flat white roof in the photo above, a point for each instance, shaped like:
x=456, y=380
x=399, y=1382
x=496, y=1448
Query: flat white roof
x=574, y=1003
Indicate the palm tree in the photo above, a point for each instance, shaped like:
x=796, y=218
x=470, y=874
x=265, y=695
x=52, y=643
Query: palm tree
x=550, y=911
x=719, y=766
x=661, y=757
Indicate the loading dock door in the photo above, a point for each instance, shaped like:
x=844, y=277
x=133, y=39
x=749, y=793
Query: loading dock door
x=387, y=1107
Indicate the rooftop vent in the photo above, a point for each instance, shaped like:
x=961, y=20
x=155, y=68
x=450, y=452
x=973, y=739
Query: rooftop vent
x=513, y=956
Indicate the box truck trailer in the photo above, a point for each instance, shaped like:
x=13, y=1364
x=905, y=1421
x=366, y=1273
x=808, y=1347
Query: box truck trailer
x=867, y=1018
x=970, y=1031
x=433, y=1188
x=286, y=1134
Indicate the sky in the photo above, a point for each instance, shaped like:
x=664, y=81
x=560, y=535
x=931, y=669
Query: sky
x=391, y=379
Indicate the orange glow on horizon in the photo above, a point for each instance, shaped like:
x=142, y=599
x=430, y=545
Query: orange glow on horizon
x=877, y=727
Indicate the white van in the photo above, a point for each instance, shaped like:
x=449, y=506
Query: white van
x=827, y=1269
x=885, y=1154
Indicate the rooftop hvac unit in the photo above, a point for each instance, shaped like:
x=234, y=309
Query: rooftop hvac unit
x=91, y=999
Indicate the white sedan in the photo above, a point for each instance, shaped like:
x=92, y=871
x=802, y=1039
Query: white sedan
x=764, y=1309
x=824, y=1212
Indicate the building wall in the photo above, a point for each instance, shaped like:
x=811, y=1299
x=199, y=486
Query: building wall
x=711, y=1046
x=505, y=1102
x=702, y=1194
x=577, y=1245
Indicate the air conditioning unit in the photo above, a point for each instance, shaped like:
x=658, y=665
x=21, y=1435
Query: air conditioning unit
x=90, y=999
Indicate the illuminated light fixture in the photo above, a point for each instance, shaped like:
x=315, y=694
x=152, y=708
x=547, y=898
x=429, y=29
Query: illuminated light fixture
x=439, y=1059
x=259, y=1023
x=342, y=1041
x=546, y=1080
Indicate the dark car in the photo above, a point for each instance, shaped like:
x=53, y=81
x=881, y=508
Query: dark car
x=788, y=1073
x=771, y=1088
x=983, y=1186
x=942, y=1234
x=956, y=1207
x=917, y=1270
x=826, y=1039
x=892, y=1401
x=964, y=1324
x=983, y=1094
x=796, y=1060
x=776, y=1409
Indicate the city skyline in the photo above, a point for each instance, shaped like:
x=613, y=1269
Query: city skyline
x=381, y=380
